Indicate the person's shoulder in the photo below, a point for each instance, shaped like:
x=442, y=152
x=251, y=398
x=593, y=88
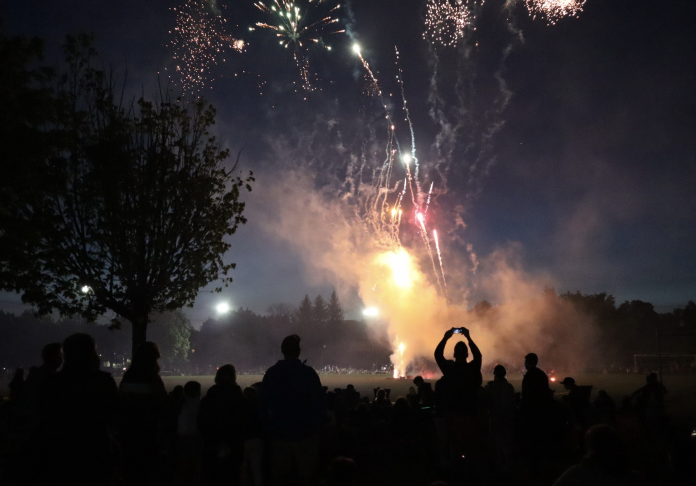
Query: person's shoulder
x=310, y=372
x=574, y=475
x=271, y=370
x=105, y=379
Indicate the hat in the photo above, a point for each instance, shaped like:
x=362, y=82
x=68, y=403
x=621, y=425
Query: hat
x=568, y=381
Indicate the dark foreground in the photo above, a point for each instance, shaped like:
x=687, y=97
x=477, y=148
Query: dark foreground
x=396, y=441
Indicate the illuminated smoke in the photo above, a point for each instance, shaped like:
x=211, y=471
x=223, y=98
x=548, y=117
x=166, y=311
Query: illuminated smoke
x=334, y=246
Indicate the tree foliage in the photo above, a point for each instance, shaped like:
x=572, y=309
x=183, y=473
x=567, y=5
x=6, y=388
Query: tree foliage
x=335, y=314
x=319, y=312
x=132, y=205
x=305, y=314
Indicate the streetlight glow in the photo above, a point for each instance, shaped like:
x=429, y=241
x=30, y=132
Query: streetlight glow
x=222, y=308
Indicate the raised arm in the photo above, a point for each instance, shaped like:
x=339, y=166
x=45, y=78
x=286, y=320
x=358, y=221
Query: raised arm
x=440, y=351
x=475, y=351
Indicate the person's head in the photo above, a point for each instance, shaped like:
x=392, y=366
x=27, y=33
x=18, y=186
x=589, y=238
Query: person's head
x=250, y=394
x=401, y=404
x=192, y=389
x=461, y=352
x=411, y=391
x=381, y=394
x=226, y=375
x=52, y=355
x=177, y=392
x=146, y=358
x=342, y=471
x=499, y=372
x=605, y=445
x=418, y=380
x=602, y=394
x=651, y=378
x=568, y=383
x=350, y=388
x=531, y=361
x=291, y=347
x=80, y=352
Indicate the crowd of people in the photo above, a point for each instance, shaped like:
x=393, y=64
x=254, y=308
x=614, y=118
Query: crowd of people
x=69, y=423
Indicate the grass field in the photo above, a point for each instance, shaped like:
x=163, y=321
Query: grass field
x=680, y=401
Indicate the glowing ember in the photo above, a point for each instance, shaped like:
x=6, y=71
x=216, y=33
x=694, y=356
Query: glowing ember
x=199, y=42
x=554, y=10
x=445, y=21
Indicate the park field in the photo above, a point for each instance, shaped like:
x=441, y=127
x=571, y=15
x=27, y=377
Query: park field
x=680, y=402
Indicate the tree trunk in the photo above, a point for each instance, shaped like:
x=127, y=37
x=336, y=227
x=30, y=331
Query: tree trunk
x=139, y=333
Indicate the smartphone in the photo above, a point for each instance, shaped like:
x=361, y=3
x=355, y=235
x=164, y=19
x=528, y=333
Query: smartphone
x=458, y=330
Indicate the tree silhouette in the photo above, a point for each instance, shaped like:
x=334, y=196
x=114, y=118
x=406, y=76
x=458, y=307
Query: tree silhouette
x=334, y=310
x=304, y=311
x=133, y=209
x=319, y=312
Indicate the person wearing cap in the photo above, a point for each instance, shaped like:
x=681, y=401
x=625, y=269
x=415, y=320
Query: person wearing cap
x=293, y=406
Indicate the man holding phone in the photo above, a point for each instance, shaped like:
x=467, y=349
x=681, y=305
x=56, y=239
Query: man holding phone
x=459, y=391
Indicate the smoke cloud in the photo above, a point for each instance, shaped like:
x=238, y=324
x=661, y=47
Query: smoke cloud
x=333, y=243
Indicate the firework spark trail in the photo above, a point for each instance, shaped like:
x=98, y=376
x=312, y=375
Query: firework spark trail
x=424, y=234
x=295, y=22
x=439, y=256
x=400, y=78
x=385, y=172
x=554, y=10
x=399, y=371
x=430, y=193
x=199, y=40
x=382, y=175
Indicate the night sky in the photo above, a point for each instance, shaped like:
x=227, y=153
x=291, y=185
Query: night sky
x=575, y=142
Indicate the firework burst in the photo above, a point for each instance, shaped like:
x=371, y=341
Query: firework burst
x=200, y=40
x=300, y=24
x=446, y=21
x=554, y=10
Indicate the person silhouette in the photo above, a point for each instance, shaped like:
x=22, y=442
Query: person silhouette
x=143, y=411
x=224, y=419
x=425, y=392
x=78, y=407
x=293, y=403
x=535, y=384
x=459, y=386
x=605, y=462
x=501, y=408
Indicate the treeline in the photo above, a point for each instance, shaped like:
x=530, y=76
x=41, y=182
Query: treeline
x=608, y=333
x=252, y=341
x=635, y=327
x=22, y=338
x=248, y=340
